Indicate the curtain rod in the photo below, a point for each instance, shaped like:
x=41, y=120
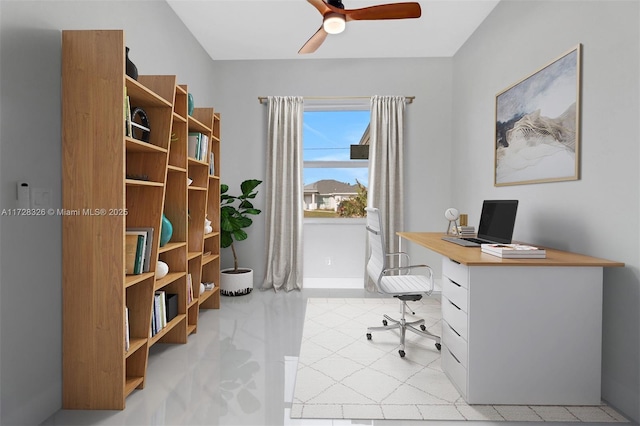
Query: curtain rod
x=409, y=99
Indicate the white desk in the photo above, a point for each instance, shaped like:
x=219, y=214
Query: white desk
x=520, y=331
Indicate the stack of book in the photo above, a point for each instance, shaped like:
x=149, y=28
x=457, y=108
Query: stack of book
x=198, y=146
x=466, y=231
x=138, y=247
x=514, y=251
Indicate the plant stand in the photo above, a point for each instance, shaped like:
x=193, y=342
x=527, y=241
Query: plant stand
x=239, y=284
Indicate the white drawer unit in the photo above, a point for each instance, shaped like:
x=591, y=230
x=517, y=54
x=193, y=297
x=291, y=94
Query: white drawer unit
x=494, y=329
x=520, y=331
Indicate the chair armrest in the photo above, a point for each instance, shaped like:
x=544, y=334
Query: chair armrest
x=385, y=272
x=399, y=254
x=408, y=268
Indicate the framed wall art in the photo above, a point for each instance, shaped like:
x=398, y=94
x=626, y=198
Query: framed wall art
x=537, y=134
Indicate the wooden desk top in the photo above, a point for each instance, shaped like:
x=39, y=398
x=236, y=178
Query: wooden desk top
x=473, y=256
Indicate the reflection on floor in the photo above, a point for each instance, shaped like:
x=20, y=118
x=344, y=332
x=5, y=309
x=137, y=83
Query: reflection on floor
x=239, y=369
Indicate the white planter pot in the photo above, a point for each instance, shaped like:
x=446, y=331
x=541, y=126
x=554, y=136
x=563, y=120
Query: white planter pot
x=236, y=284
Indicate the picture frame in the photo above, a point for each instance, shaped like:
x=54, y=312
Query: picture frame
x=537, y=125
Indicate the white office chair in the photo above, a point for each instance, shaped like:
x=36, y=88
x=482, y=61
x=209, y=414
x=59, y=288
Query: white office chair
x=398, y=281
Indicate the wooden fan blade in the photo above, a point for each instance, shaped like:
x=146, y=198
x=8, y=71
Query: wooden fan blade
x=385, y=11
x=320, y=5
x=314, y=42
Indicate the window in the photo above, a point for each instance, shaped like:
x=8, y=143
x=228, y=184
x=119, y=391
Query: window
x=334, y=184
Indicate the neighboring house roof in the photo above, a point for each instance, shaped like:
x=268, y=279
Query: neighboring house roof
x=330, y=186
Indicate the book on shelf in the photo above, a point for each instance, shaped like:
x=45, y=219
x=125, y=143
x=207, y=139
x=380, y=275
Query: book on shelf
x=148, y=248
x=198, y=146
x=140, y=250
x=157, y=319
x=127, y=114
x=212, y=164
x=162, y=320
x=193, y=144
x=517, y=251
x=130, y=250
x=189, y=289
x=204, y=147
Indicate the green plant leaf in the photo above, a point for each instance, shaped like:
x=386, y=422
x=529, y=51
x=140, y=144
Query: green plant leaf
x=249, y=185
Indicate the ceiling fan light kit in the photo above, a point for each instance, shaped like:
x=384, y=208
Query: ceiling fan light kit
x=334, y=23
x=335, y=18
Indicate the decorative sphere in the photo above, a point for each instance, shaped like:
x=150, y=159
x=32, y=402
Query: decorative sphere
x=162, y=269
x=201, y=288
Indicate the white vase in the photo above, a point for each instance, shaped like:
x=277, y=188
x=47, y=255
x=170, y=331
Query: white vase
x=236, y=284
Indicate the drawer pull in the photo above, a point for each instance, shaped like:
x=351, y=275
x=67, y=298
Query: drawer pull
x=454, y=330
x=454, y=357
x=454, y=261
x=453, y=282
x=456, y=306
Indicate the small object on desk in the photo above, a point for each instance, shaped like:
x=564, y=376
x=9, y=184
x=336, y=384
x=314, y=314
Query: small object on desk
x=452, y=214
x=466, y=231
x=514, y=251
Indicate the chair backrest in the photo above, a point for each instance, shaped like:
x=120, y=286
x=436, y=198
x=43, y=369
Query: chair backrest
x=377, y=259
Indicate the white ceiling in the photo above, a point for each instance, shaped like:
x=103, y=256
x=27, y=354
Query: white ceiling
x=276, y=29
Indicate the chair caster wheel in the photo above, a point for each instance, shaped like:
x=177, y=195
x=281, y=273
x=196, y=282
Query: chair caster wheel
x=401, y=352
x=422, y=327
x=438, y=346
x=384, y=322
x=368, y=336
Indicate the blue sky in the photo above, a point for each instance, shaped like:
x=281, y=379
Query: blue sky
x=327, y=136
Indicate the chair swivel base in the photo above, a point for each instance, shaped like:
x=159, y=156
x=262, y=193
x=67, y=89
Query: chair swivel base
x=403, y=325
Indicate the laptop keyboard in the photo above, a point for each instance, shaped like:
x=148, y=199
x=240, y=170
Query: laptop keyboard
x=474, y=240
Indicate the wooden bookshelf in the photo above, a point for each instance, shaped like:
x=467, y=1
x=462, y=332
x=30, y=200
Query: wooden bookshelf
x=134, y=182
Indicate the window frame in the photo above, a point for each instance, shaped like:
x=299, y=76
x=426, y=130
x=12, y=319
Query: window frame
x=319, y=105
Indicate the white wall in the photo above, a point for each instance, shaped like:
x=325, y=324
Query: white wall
x=597, y=215
x=428, y=127
x=333, y=251
x=31, y=264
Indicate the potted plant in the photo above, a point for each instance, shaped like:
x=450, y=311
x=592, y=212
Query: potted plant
x=234, y=219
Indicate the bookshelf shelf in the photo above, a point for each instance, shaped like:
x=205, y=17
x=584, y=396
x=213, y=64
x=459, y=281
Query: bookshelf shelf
x=171, y=246
x=103, y=308
x=167, y=329
x=134, y=345
x=168, y=279
x=130, y=280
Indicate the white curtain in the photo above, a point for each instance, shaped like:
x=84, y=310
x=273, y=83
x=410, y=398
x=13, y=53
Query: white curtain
x=284, y=194
x=386, y=184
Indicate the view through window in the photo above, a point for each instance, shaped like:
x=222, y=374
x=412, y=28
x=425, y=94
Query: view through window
x=335, y=186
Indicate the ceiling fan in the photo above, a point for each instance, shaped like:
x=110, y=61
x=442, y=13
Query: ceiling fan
x=335, y=17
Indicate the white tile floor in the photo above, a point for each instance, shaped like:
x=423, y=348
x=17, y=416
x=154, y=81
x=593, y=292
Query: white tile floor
x=342, y=374
x=239, y=370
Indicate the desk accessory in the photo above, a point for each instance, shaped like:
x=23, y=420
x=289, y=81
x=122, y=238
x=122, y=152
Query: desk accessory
x=452, y=215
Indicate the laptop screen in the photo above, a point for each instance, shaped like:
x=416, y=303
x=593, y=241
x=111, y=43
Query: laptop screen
x=497, y=220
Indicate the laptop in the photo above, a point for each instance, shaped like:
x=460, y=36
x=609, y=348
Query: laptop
x=497, y=221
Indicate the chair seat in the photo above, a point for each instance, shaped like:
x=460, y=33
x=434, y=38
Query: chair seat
x=405, y=284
